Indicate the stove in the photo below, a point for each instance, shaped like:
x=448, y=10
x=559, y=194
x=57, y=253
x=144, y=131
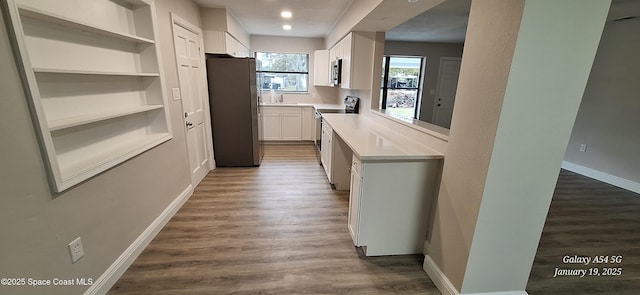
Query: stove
x=351, y=104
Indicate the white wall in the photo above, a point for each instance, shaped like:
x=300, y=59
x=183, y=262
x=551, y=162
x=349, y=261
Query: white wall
x=433, y=52
x=609, y=115
x=108, y=211
x=319, y=94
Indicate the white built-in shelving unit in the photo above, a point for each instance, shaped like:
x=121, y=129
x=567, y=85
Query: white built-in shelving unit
x=94, y=82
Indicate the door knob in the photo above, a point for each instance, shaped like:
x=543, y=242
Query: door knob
x=439, y=105
x=186, y=114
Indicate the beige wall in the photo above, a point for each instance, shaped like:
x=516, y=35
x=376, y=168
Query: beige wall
x=319, y=94
x=502, y=160
x=108, y=211
x=476, y=114
x=433, y=52
x=221, y=19
x=609, y=115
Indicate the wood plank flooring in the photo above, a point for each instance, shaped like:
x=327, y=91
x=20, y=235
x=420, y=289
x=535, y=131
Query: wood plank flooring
x=588, y=218
x=280, y=229
x=275, y=229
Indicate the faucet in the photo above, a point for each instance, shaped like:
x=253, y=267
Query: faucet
x=281, y=98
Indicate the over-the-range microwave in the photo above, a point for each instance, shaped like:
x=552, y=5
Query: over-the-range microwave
x=336, y=72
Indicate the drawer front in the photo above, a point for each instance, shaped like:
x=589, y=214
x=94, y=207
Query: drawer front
x=282, y=110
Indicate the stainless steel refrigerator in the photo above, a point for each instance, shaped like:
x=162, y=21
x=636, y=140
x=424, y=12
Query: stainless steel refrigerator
x=235, y=122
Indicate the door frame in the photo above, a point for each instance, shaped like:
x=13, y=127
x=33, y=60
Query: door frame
x=178, y=21
x=435, y=99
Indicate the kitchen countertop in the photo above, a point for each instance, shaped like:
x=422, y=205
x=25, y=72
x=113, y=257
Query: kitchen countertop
x=372, y=141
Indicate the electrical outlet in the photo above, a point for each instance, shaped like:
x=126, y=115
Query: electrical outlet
x=583, y=148
x=75, y=249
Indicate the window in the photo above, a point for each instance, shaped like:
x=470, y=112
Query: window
x=287, y=72
x=401, y=85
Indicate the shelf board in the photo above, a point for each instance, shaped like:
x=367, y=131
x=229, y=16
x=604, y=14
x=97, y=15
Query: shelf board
x=81, y=72
x=74, y=24
x=91, y=118
x=86, y=165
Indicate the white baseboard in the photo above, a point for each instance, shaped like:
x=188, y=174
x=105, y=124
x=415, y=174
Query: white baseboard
x=499, y=293
x=437, y=276
x=446, y=287
x=118, y=267
x=602, y=176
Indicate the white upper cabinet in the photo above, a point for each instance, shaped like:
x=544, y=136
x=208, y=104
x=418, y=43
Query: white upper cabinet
x=95, y=86
x=223, y=34
x=321, y=65
x=356, y=51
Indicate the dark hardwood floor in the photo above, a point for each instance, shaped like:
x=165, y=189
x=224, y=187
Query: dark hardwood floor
x=276, y=229
x=280, y=229
x=588, y=218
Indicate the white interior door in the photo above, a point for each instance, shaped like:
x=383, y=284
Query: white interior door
x=194, y=97
x=446, y=91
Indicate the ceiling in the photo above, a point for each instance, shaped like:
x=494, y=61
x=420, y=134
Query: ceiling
x=446, y=23
x=311, y=18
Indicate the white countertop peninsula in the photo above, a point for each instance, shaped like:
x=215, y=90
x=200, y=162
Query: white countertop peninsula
x=392, y=181
x=372, y=141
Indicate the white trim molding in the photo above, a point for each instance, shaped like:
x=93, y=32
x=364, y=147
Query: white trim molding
x=446, y=287
x=602, y=176
x=499, y=293
x=118, y=267
x=437, y=276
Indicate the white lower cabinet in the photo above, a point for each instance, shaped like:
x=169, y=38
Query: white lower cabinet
x=354, y=200
x=291, y=126
x=325, y=152
x=308, y=123
x=287, y=123
x=271, y=125
x=389, y=205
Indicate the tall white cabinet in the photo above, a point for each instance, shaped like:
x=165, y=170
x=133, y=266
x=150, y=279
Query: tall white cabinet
x=356, y=51
x=94, y=82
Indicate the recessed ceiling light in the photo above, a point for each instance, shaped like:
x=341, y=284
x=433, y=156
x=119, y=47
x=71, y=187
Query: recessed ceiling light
x=412, y=1
x=286, y=14
x=286, y=27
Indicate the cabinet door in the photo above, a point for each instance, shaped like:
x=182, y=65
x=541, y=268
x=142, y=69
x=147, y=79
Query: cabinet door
x=332, y=54
x=272, y=126
x=308, y=123
x=346, y=61
x=325, y=153
x=321, y=68
x=291, y=126
x=328, y=153
x=231, y=45
x=354, y=205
